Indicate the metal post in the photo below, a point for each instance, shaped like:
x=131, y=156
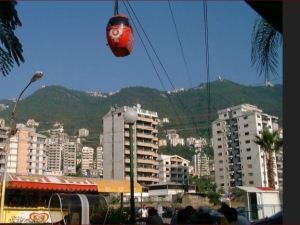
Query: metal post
x=132, y=207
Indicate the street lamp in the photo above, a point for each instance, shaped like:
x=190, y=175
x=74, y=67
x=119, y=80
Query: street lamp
x=36, y=76
x=130, y=117
x=13, y=130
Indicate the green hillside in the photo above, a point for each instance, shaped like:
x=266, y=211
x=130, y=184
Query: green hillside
x=186, y=110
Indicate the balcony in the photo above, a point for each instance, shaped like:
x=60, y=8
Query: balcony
x=143, y=127
x=148, y=161
x=140, y=118
x=142, y=152
x=142, y=135
x=147, y=170
x=146, y=144
x=148, y=178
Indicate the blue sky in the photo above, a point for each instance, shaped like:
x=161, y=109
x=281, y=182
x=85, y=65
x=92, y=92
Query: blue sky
x=66, y=40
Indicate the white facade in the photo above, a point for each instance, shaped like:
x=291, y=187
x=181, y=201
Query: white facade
x=200, y=165
x=87, y=159
x=54, y=157
x=116, y=146
x=99, y=161
x=173, y=168
x=83, y=132
x=69, y=157
x=3, y=143
x=238, y=160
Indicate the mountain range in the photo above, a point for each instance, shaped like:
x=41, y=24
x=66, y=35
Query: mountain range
x=187, y=110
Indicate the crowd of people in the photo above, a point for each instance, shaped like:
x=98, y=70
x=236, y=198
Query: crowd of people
x=189, y=215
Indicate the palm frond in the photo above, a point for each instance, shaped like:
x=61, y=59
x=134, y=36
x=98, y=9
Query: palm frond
x=8, y=23
x=6, y=63
x=264, y=51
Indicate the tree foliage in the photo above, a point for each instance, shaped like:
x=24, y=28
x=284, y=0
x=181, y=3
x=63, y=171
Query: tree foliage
x=10, y=47
x=264, y=51
x=206, y=185
x=270, y=142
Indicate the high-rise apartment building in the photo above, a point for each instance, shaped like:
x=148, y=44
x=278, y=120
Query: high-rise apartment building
x=3, y=144
x=174, y=138
x=174, y=169
x=87, y=162
x=200, y=164
x=238, y=160
x=27, y=152
x=99, y=161
x=116, y=146
x=69, y=157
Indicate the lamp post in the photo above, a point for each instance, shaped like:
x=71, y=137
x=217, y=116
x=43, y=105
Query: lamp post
x=13, y=130
x=130, y=117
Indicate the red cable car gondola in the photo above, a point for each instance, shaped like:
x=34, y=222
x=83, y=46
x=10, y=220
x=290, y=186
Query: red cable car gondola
x=119, y=35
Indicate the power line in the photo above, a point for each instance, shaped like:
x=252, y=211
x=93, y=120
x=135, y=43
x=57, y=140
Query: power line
x=149, y=57
x=160, y=62
x=181, y=48
x=207, y=64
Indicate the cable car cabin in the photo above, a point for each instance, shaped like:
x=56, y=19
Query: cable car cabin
x=119, y=35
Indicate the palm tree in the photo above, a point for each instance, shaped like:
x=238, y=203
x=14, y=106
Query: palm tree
x=270, y=143
x=264, y=51
x=10, y=46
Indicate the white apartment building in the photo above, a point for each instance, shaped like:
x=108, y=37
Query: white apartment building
x=200, y=164
x=83, y=132
x=238, y=160
x=99, y=161
x=116, y=146
x=196, y=142
x=173, y=168
x=174, y=138
x=54, y=166
x=69, y=157
x=87, y=160
x=3, y=143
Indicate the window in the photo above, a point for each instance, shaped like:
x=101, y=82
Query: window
x=246, y=125
x=222, y=177
x=259, y=124
x=219, y=132
x=218, y=124
x=245, y=117
x=221, y=169
x=251, y=182
x=222, y=184
x=258, y=116
x=249, y=166
x=219, y=146
x=234, y=112
x=167, y=163
x=248, y=149
x=250, y=174
x=247, y=141
x=248, y=157
x=119, y=114
x=225, y=114
x=221, y=161
x=220, y=154
x=219, y=139
x=246, y=133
